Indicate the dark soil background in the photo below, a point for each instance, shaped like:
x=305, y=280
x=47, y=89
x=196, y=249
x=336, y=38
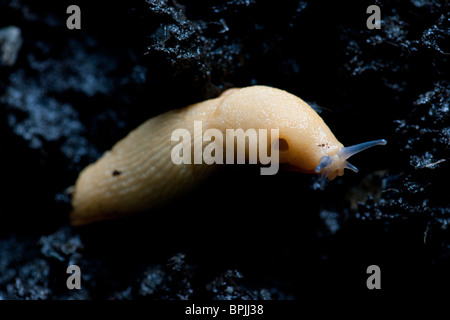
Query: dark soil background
x=71, y=94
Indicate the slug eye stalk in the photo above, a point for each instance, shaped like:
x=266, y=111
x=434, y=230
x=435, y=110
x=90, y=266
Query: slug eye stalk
x=347, y=152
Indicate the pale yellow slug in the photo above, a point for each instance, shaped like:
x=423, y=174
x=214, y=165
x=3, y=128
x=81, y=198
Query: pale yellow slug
x=139, y=173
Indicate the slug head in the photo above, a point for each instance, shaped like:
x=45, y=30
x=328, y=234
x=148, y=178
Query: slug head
x=333, y=165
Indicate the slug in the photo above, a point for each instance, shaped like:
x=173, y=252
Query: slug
x=139, y=173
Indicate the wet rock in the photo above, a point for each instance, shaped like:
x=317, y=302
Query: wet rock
x=178, y=277
x=10, y=44
x=152, y=282
x=416, y=193
x=40, y=120
x=227, y=286
x=32, y=282
x=172, y=281
x=331, y=220
x=62, y=246
x=23, y=273
x=202, y=49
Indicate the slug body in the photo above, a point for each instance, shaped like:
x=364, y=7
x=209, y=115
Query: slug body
x=138, y=173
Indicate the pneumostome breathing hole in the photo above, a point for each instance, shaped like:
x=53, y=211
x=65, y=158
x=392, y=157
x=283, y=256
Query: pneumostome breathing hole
x=283, y=144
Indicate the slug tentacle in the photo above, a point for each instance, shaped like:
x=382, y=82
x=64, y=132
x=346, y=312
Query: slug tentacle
x=325, y=162
x=347, y=152
x=331, y=166
x=348, y=165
